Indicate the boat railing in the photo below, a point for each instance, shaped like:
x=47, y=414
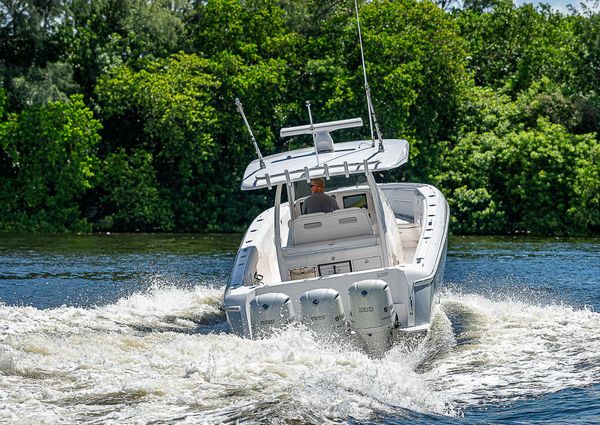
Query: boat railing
x=322, y=170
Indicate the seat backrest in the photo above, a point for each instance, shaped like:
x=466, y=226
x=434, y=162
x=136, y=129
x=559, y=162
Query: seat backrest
x=339, y=224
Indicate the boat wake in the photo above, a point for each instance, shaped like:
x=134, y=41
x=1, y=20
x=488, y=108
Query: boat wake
x=165, y=355
x=509, y=350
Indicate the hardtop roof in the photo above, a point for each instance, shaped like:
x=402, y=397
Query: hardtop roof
x=345, y=159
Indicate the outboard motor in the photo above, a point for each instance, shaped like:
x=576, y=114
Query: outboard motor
x=372, y=313
x=322, y=310
x=269, y=312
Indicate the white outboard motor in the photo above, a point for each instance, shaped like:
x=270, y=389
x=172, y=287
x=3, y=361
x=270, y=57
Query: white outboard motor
x=268, y=312
x=372, y=313
x=322, y=310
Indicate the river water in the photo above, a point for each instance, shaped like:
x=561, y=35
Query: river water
x=127, y=329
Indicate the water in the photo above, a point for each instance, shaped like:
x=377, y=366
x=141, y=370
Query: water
x=118, y=329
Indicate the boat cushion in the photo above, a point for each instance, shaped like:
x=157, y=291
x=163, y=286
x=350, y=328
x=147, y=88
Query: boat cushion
x=326, y=227
x=367, y=245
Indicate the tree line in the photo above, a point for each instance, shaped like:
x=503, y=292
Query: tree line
x=118, y=115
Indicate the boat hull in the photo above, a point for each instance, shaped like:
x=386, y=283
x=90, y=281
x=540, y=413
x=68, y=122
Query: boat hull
x=414, y=284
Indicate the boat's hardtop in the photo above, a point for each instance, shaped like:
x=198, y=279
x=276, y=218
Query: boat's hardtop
x=304, y=164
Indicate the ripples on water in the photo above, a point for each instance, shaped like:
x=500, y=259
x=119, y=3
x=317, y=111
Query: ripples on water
x=130, y=330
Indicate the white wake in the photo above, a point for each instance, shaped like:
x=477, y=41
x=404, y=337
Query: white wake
x=165, y=355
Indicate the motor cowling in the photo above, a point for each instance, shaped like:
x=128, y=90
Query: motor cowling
x=372, y=313
x=269, y=312
x=322, y=310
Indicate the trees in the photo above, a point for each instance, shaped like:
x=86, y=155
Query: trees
x=500, y=104
x=585, y=89
x=30, y=65
x=129, y=195
x=97, y=35
x=415, y=61
x=512, y=170
x=417, y=70
x=510, y=47
x=49, y=164
x=169, y=102
x=524, y=145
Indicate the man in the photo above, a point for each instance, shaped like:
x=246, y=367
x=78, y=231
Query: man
x=318, y=201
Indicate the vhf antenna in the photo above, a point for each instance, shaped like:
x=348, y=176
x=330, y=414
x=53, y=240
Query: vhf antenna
x=240, y=108
x=372, y=116
x=310, y=118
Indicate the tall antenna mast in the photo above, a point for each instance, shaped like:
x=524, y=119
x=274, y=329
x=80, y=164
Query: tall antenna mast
x=314, y=136
x=372, y=117
x=240, y=108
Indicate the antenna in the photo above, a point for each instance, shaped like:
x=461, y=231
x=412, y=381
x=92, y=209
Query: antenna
x=312, y=128
x=240, y=108
x=309, y=113
x=372, y=117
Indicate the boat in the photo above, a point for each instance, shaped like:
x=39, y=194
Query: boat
x=370, y=270
x=373, y=266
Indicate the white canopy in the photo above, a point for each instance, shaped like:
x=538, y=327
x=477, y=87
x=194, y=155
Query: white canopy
x=303, y=164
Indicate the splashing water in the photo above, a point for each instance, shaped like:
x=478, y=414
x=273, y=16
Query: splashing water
x=143, y=359
x=165, y=355
x=510, y=350
x=141, y=338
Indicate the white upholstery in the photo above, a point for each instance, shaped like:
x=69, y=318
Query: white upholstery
x=367, y=245
x=324, y=227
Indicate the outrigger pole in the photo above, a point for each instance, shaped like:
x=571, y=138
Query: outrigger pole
x=372, y=116
x=240, y=108
x=312, y=128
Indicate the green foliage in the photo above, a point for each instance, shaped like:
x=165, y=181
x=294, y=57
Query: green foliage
x=2, y=102
x=28, y=32
x=416, y=72
x=98, y=35
x=171, y=98
x=510, y=46
x=30, y=65
x=253, y=29
x=42, y=85
x=419, y=72
x=501, y=105
x=546, y=98
x=232, y=208
x=586, y=82
x=50, y=154
x=483, y=110
x=130, y=197
x=585, y=210
x=522, y=181
x=587, y=51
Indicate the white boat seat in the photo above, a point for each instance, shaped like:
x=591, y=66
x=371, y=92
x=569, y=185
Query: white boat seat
x=348, y=244
x=330, y=227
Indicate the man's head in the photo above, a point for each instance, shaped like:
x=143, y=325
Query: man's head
x=317, y=185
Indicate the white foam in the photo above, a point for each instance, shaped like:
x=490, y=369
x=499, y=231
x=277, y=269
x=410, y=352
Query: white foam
x=77, y=363
x=516, y=350
x=142, y=359
x=161, y=307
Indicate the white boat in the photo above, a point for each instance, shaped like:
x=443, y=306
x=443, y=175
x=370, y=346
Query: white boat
x=373, y=266
x=370, y=269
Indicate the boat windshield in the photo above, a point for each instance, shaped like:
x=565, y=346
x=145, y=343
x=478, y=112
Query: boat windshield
x=302, y=188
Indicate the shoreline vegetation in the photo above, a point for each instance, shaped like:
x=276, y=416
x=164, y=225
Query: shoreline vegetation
x=119, y=116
